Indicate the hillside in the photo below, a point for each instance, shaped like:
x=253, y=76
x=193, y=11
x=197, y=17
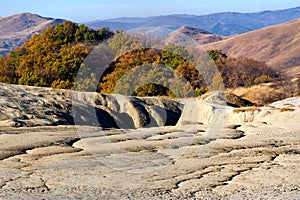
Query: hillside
x=226, y=23
x=199, y=35
x=16, y=29
x=53, y=58
x=278, y=46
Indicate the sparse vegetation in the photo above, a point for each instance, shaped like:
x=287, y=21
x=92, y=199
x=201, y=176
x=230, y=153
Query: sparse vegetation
x=289, y=105
x=264, y=94
x=246, y=109
x=287, y=109
x=244, y=72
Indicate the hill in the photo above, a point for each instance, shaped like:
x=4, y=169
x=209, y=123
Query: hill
x=199, y=35
x=16, y=29
x=53, y=58
x=226, y=23
x=278, y=46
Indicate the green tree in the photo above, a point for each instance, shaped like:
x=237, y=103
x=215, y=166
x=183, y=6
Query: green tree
x=216, y=54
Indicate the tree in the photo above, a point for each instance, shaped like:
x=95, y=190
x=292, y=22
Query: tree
x=8, y=66
x=243, y=72
x=216, y=54
x=51, y=58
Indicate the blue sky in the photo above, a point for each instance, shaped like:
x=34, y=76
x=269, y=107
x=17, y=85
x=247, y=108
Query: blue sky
x=87, y=10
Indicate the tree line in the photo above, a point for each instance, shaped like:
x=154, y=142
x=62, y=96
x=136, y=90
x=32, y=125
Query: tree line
x=53, y=57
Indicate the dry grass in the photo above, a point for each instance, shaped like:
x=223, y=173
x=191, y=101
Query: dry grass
x=289, y=105
x=287, y=109
x=264, y=94
x=246, y=109
x=260, y=44
x=201, y=36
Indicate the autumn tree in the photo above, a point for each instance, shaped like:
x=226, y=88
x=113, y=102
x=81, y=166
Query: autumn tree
x=52, y=57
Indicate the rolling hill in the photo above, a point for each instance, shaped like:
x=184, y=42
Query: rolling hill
x=199, y=35
x=226, y=23
x=16, y=29
x=278, y=46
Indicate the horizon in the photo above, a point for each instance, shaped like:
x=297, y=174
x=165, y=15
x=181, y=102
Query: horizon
x=87, y=11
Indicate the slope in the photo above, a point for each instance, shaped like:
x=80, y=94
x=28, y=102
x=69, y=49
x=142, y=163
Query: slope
x=278, y=46
x=16, y=29
x=199, y=35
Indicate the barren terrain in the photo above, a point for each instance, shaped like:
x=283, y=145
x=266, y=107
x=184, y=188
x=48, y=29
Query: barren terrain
x=214, y=151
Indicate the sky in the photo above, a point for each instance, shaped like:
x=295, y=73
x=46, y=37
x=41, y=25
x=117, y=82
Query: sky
x=89, y=10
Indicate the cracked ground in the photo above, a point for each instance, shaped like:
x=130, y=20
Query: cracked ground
x=253, y=160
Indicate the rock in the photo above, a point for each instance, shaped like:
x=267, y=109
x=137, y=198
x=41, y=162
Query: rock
x=119, y=111
x=236, y=101
x=211, y=109
x=33, y=106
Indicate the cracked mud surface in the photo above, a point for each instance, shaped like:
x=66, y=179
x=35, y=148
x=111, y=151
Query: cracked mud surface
x=251, y=161
x=255, y=155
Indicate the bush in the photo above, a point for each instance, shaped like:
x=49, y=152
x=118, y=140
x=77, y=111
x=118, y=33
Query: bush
x=62, y=84
x=244, y=72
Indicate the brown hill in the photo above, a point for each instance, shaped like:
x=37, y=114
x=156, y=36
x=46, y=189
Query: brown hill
x=278, y=46
x=199, y=35
x=16, y=29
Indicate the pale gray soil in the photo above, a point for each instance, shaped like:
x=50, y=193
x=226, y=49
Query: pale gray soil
x=254, y=155
x=260, y=161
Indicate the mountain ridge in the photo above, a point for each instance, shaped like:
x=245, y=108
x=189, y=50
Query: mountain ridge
x=17, y=28
x=224, y=23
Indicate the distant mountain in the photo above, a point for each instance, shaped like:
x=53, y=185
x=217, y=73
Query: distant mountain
x=226, y=23
x=199, y=35
x=16, y=29
x=278, y=45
